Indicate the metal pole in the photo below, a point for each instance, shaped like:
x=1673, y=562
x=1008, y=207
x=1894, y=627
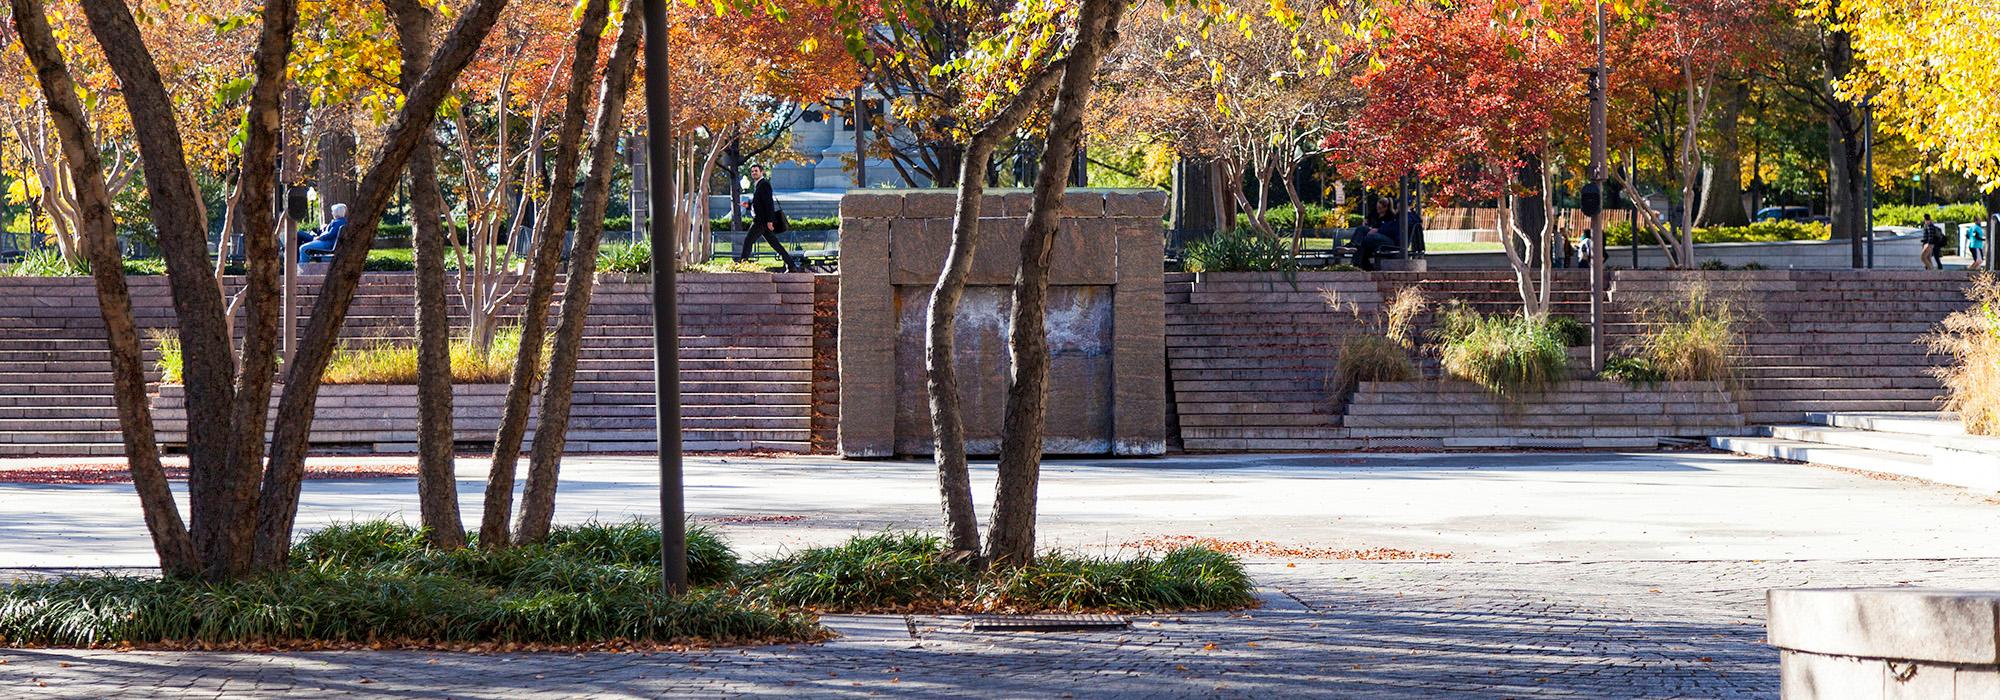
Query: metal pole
x=666, y=318
x=860, y=140
x=1598, y=78
x=1868, y=191
x=1632, y=201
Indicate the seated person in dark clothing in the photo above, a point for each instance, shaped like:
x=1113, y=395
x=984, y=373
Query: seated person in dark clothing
x=1368, y=247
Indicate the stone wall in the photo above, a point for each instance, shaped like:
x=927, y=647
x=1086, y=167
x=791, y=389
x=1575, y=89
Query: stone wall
x=377, y=418
x=1891, y=253
x=1598, y=414
x=1106, y=389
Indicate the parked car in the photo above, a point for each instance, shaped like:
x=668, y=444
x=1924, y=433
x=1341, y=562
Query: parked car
x=1787, y=214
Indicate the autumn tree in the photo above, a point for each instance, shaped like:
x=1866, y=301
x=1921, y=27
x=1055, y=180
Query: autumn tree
x=1236, y=83
x=1928, y=70
x=238, y=524
x=1688, y=49
x=1479, y=108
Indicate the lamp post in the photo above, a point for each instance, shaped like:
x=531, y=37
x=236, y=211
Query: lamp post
x=666, y=319
x=1598, y=77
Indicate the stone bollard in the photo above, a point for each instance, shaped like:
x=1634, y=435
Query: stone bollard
x=1880, y=643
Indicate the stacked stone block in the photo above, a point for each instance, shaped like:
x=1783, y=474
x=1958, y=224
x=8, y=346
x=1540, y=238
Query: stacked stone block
x=1106, y=388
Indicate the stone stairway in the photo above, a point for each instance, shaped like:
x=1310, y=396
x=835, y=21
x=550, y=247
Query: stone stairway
x=746, y=360
x=1827, y=341
x=1924, y=445
x=1248, y=359
x=55, y=371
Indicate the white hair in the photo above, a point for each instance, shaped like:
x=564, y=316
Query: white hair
x=339, y=210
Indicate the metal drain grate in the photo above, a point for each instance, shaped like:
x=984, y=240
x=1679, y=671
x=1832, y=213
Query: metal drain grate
x=1046, y=623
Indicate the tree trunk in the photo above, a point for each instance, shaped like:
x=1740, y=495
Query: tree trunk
x=538, y=502
x=336, y=154
x=1847, y=177
x=541, y=288
x=1012, y=537
x=279, y=498
x=171, y=539
x=437, y=469
x=941, y=319
x=1722, y=203
x=222, y=467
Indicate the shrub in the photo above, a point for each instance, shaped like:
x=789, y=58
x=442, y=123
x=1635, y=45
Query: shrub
x=637, y=543
x=1906, y=215
x=629, y=258
x=1240, y=250
x=1637, y=370
x=898, y=571
x=1507, y=354
x=47, y=262
x=169, y=346
x=1759, y=232
x=1281, y=217
x=1687, y=338
x=1574, y=333
x=1971, y=339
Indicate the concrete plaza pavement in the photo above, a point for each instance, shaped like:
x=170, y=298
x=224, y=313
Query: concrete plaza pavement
x=1478, y=507
x=1570, y=575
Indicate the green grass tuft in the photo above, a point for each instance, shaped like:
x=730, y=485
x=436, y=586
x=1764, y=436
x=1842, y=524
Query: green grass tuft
x=896, y=571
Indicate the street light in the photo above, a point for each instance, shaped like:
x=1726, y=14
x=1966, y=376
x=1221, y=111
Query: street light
x=1598, y=79
x=666, y=317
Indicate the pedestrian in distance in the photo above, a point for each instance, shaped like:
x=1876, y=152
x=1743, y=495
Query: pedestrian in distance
x=1933, y=239
x=1975, y=245
x=765, y=219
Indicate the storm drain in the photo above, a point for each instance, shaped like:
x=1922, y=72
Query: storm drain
x=1046, y=623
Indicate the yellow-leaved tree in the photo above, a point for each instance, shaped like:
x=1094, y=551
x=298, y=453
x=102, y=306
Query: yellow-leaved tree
x=1928, y=68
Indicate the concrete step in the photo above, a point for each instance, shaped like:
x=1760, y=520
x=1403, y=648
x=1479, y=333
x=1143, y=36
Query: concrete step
x=62, y=437
x=1933, y=423
x=1976, y=471
x=90, y=449
x=1898, y=443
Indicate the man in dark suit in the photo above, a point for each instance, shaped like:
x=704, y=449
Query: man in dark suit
x=763, y=219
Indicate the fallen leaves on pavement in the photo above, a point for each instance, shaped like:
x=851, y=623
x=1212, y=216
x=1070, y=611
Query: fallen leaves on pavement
x=113, y=473
x=1274, y=550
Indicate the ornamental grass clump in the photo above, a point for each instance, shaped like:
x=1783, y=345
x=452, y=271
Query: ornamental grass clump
x=1380, y=353
x=376, y=584
x=1239, y=250
x=1971, y=339
x=1507, y=355
x=383, y=362
x=1687, y=339
x=906, y=571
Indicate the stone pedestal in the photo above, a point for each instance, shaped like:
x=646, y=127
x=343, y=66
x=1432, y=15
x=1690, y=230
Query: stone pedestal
x=1106, y=321
x=1881, y=643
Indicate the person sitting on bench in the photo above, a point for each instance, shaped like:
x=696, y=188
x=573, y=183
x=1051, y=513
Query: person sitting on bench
x=328, y=237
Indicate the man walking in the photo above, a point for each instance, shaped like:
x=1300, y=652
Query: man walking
x=328, y=237
x=763, y=219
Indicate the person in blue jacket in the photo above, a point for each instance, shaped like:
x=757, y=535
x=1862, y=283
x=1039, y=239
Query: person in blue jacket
x=328, y=237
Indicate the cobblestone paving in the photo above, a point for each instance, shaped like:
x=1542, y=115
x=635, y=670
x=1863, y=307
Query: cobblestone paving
x=1621, y=629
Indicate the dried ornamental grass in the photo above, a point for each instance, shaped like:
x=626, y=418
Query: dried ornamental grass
x=1687, y=339
x=1971, y=338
